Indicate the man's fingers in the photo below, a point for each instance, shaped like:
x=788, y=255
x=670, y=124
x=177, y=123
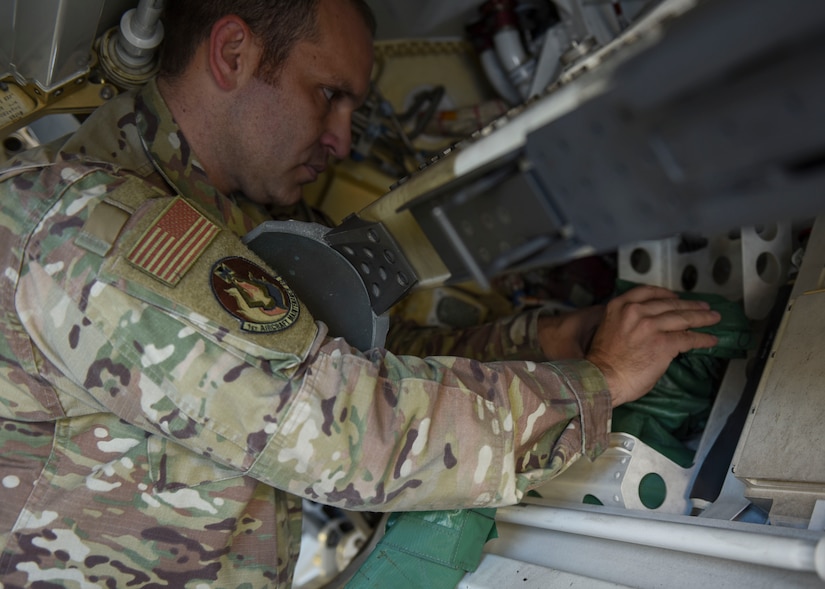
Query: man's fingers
x=652, y=302
x=685, y=319
x=655, y=307
x=690, y=340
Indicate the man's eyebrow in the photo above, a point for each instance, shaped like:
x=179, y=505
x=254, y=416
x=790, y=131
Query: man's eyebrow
x=344, y=88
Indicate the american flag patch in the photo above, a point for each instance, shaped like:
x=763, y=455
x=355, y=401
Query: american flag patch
x=173, y=243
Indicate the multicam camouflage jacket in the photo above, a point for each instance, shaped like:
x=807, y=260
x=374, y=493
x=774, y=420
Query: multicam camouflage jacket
x=166, y=401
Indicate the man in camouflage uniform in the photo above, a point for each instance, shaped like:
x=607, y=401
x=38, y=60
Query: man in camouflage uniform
x=166, y=399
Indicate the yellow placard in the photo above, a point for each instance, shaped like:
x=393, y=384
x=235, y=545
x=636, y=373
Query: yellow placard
x=14, y=104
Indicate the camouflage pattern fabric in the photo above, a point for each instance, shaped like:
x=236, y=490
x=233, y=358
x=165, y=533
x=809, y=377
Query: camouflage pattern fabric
x=162, y=416
x=514, y=338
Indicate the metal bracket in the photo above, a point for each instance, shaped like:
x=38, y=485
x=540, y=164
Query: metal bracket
x=377, y=258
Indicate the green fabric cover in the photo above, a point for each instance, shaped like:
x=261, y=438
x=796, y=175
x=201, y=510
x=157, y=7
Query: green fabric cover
x=427, y=549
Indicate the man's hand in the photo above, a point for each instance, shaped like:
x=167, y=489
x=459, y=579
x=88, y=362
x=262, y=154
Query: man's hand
x=643, y=330
x=568, y=336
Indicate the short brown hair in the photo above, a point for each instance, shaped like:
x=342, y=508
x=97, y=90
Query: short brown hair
x=279, y=24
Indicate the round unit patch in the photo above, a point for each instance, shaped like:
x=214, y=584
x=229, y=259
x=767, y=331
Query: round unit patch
x=261, y=301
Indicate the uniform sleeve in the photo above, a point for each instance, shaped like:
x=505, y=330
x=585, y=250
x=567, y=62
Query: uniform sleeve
x=283, y=403
x=364, y=429
x=514, y=337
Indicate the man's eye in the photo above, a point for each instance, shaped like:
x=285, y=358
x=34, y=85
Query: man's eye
x=329, y=94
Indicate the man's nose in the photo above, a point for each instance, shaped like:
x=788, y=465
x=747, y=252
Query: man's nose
x=338, y=134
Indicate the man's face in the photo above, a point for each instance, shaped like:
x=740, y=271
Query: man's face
x=286, y=129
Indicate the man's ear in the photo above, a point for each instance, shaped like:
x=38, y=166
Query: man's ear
x=233, y=52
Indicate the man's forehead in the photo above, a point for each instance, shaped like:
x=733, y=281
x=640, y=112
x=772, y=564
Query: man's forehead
x=345, y=61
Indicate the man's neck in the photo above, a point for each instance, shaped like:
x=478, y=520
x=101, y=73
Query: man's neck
x=200, y=121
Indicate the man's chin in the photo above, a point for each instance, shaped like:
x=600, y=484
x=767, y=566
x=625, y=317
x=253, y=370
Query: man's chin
x=287, y=198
